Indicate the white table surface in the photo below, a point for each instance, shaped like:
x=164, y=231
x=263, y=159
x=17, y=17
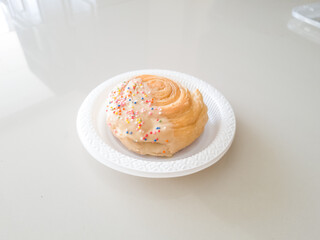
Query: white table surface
x=52, y=53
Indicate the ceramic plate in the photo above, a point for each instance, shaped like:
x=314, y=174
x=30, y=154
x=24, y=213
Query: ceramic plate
x=205, y=151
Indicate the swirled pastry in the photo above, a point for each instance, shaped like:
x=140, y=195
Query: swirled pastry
x=154, y=115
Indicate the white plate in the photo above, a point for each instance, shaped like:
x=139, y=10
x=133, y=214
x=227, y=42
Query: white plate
x=205, y=151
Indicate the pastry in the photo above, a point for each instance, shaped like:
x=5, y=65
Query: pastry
x=153, y=115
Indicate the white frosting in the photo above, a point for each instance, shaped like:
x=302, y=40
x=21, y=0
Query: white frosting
x=135, y=120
